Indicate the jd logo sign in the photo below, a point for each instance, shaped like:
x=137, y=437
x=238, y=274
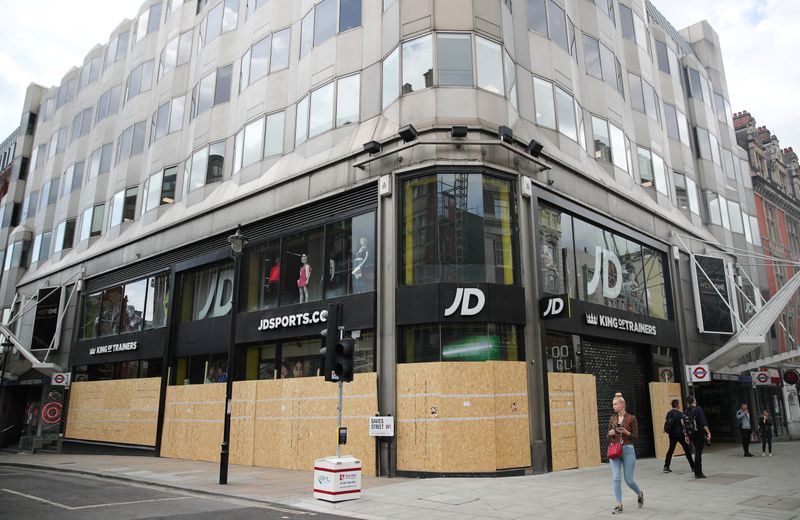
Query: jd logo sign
x=471, y=302
x=554, y=306
x=602, y=259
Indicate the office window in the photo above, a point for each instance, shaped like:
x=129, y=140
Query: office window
x=349, y=14
x=92, y=222
x=301, y=122
x=749, y=236
x=148, y=22
x=633, y=27
x=681, y=192
x=565, y=111
x=90, y=71
x=537, y=17
x=698, y=86
x=558, y=25
x=253, y=142
x=41, y=247
x=212, y=90
x=321, y=110
x=168, y=118
x=581, y=126
x=140, y=80
x=221, y=18
x=619, y=153
x=324, y=21
x=117, y=49
x=713, y=208
x=545, y=106
x=255, y=63
x=348, y=100
x=72, y=179
x=279, y=59
x=66, y=92
x=645, y=167
x=723, y=205
x=100, y=161
x=662, y=56
x=754, y=230
x=511, y=79
x=205, y=166
x=735, y=217
x=175, y=53
x=691, y=190
x=81, y=124
x=454, y=59
x=273, y=140
x=602, y=141
x=387, y=4
x=660, y=174
x=65, y=235
x=488, y=56
x=417, y=64
x=130, y=142
x=108, y=104
x=391, y=78
x=39, y=155
x=123, y=207
x=160, y=189
x=307, y=33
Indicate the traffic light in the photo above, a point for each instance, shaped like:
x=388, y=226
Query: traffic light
x=337, y=352
x=343, y=365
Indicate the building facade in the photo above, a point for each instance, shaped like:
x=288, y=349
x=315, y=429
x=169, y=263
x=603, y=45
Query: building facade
x=516, y=187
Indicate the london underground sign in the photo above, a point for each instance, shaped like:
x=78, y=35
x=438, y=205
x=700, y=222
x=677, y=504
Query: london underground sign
x=698, y=373
x=761, y=378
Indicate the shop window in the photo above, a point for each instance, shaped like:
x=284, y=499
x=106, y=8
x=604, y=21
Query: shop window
x=457, y=228
x=133, y=303
x=459, y=342
x=127, y=308
x=303, y=267
x=562, y=353
x=200, y=369
x=557, y=253
x=262, y=270
x=157, y=302
x=206, y=292
x=110, y=310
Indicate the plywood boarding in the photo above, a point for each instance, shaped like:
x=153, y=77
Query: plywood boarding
x=563, y=428
x=294, y=421
x=193, y=422
x=121, y=411
x=661, y=396
x=243, y=413
x=586, y=421
x=448, y=416
x=512, y=427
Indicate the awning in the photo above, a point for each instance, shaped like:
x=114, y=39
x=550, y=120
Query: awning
x=751, y=335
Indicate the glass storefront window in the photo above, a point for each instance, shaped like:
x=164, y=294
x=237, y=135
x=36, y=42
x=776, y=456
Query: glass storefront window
x=302, y=267
x=200, y=369
x=457, y=228
x=562, y=352
x=558, y=257
x=133, y=305
x=262, y=268
x=91, y=315
x=155, y=314
x=110, y=311
x=459, y=342
x=206, y=292
x=656, y=288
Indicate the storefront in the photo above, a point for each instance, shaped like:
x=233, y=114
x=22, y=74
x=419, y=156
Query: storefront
x=605, y=309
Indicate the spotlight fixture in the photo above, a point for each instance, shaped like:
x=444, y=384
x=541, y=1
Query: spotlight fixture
x=408, y=133
x=373, y=147
x=458, y=131
x=505, y=134
x=534, y=148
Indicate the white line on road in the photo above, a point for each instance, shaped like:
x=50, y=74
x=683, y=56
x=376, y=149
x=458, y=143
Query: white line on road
x=74, y=508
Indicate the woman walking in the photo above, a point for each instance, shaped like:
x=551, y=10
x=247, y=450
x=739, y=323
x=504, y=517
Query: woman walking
x=765, y=431
x=623, y=430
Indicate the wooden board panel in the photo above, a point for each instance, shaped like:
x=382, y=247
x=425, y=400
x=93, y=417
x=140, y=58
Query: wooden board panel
x=452, y=418
x=512, y=427
x=193, y=422
x=563, y=428
x=122, y=411
x=243, y=413
x=586, y=420
x=661, y=396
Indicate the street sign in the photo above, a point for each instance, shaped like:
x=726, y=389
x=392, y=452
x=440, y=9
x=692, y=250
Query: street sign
x=791, y=376
x=761, y=378
x=381, y=426
x=60, y=379
x=698, y=373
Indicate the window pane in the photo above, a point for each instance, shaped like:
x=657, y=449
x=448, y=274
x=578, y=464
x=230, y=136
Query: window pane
x=637, y=98
x=591, y=51
x=417, y=64
x=303, y=266
x=454, y=59
x=280, y=50
x=661, y=54
x=222, y=92
x=259, y=59
x=566, y=114
x=168, y=185
x=511, y=79
x=681, y=195
x=607, y=63
x=301, y=122
x=231, y=15
x=602, y=142
x=91, y=316
x=712, y=203
x=545, y=108
x=348, y=97
x=153, y=191
x=660, y=174
x=537, y=16
x=558, y=25
x=703, y=144
x=216, y=162
x=391, y=78
x=671, y=115
x=262, y=276
x=645, y=167
x=656, y=285
x=253, y=136
x=273, y=143
x=556, y=251
x=490, y=65
x=735, y=213
x=162, y=121
x=214, y=23
x=626, y=22
x=206, y=94
x=321, y=115
x=324, y=21
x=618, y=152
x=198, y=169
x=176, y=113
x=307, y=33
x=349, y=14
x=132, y=309
x=650, y=100
x=691, y=190
x=116, y=208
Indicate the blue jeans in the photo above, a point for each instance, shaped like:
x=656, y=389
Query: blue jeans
x=626, y=463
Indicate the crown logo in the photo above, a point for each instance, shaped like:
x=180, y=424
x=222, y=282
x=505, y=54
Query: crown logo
x=591, y=319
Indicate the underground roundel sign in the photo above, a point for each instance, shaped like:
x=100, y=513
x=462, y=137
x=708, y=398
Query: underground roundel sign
x=698, y=373
x=762, y=378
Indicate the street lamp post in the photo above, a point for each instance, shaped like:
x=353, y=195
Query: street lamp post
x=237, y=242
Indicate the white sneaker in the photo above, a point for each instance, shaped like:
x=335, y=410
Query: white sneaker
x=770, y=454
x=764, y=454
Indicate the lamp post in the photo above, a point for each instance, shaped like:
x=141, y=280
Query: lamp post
x=5, y=349
x=237, y=242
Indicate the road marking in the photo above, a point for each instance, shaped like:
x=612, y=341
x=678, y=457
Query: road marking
x=75, y=508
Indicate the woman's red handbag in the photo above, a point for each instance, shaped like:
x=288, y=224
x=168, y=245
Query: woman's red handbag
x=615, y=448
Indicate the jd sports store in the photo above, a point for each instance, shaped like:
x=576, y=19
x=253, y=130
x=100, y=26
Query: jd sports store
x=605, y=310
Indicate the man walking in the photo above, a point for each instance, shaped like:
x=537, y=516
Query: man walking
x=697, y=430
x=673, y=426
x=745, y=428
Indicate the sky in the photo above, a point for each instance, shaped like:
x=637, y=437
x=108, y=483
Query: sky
x=42, y=39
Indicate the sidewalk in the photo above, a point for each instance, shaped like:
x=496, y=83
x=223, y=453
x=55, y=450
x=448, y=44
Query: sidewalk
x=737, y=487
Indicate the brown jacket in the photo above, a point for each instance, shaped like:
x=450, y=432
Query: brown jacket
x=629, y=423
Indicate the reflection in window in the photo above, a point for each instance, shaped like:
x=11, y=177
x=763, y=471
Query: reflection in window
x=490, y=67
x=558, y=25
x=348, y=100
x=660, y=174
x=457, y=227
x=459, y=342
x=602, y=142
x=454, y=59
x=321, y=110
x=545, y=106
x=656, y=286
x=417, y=64
x=645, y=167
x=205, y=166
x=619, y=152
x=565, y=109
x=681, y=193
x=279, y=59
x=537, y=17
x=391, y=78
x=255, y=63
x=557, y=257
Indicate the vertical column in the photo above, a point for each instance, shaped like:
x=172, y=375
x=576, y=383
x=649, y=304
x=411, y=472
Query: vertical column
x=386, y=282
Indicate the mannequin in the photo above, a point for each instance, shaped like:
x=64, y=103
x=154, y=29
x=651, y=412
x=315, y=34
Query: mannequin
x=359, y=259
x=304, y=279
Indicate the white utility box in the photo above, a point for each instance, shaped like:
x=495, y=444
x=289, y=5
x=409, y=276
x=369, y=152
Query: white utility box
x=337, y=478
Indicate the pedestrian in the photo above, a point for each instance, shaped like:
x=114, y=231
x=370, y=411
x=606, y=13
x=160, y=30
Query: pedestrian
x=696, y=426
x=745, y=428
x=623, y=429
x=673, y=426
x=765, y=431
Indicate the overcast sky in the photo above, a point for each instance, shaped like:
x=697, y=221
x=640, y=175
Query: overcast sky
x=42, y=39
